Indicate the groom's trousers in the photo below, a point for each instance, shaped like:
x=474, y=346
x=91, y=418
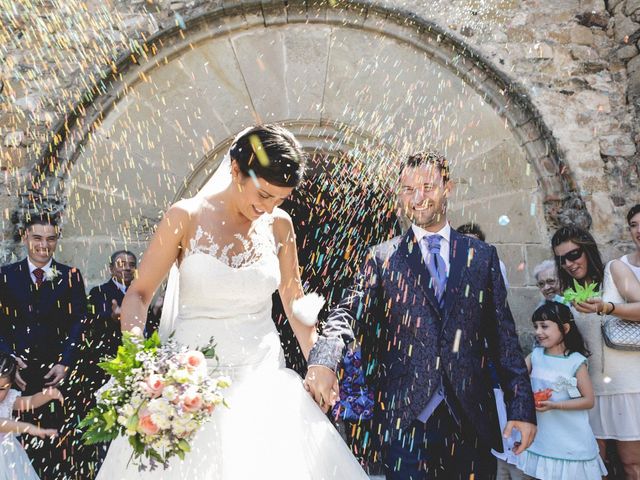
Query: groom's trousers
x=440, y=448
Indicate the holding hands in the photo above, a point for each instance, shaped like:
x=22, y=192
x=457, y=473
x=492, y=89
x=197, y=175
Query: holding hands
x=322, y=384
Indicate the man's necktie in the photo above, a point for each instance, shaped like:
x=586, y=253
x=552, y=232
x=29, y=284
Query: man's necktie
x=436, y=266
x=39, y=274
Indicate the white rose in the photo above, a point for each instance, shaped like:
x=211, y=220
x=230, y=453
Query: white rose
x=170, y=393
x=182, y=375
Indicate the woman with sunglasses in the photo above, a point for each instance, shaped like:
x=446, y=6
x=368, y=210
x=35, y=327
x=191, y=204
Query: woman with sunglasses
x=614, y=373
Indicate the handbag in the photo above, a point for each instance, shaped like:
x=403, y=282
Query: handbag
x=621, y=334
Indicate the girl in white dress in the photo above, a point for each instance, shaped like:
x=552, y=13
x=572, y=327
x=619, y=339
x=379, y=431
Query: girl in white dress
x=234, y=248
x=565, y=447
x=14, y=463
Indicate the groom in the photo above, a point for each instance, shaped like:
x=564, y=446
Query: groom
x=431, y=311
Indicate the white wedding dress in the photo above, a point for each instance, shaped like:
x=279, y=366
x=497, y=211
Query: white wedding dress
x=272, y=428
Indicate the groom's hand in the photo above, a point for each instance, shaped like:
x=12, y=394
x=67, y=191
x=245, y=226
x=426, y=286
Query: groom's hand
x=527, y=430
x=322, y=384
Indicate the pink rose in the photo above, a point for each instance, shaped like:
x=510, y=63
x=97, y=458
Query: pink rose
x=146, y=425
x=191, y=400
x=193, y=359
x=153, y=385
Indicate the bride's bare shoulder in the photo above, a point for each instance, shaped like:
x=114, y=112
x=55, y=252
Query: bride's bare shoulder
x=184, y=211
x=282, y=225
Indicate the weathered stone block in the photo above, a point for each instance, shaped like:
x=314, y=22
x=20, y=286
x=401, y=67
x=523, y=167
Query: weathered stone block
x=624, y=28
x=514, y=261
x=581, y=35
x=540, y=50
x=593, y=19
x=626, y=52
x=617, y=146
x=632, y=6
x=634, y=65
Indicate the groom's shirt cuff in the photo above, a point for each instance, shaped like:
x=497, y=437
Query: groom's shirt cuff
x=327, y=352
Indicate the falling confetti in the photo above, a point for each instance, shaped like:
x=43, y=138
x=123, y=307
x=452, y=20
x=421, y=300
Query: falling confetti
x=504, y=220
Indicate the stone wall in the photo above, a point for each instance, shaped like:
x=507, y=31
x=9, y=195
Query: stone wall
x=575, y=60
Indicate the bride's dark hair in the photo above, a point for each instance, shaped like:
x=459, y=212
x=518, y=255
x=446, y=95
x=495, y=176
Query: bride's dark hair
x=283, y=162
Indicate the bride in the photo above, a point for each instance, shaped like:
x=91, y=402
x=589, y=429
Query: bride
x=233, y=249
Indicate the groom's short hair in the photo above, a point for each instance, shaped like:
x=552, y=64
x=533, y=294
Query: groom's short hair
x=428, y=157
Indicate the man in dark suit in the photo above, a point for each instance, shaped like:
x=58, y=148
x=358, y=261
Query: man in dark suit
x=103, y=339
x=430, y=309
x=42, y=319
x=105, y=301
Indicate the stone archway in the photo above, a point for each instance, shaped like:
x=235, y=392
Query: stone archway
x=162, y=122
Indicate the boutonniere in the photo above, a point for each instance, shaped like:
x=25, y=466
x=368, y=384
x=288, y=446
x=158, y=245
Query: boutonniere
x=52, y=274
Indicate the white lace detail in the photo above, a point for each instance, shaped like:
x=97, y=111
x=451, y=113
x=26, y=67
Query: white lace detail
x=6, y=406
x=259, y=243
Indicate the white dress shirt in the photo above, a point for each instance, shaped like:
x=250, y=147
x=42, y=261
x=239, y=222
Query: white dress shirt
x=120, y=286
x=32, y=267
x=445, y=232
x=445, y=242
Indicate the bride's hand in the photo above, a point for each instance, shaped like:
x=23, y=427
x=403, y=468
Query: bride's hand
x=322, y=384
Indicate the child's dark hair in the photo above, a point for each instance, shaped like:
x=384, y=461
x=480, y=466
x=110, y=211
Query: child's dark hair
x=8, y=366
x=560, y=315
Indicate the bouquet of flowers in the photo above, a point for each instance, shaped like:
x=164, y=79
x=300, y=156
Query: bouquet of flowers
x=579, y=293
x=158, y=397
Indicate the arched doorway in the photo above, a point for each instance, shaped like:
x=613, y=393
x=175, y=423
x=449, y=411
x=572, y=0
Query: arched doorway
x=372, y=87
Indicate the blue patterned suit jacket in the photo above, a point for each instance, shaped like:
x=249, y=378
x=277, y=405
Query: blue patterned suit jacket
x=408, y=342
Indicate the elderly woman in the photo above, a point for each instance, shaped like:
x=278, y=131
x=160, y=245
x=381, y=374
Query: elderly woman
x=547, y=279
x=614, y=372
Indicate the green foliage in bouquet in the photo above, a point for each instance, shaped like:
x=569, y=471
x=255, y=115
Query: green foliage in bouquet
x=158, y=396
x=100, y=424
x=579, y=293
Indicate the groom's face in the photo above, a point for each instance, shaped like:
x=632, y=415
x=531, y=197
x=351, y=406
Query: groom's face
x=423, y=195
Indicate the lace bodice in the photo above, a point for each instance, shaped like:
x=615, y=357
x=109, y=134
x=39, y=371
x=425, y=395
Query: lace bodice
x=259, y=243
x=226, y=285
x=228, y=297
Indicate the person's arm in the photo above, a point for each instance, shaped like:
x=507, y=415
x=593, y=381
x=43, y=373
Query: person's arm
x=162, y=252
x=508, y=359
x=290, y=288
x=37, y=400
x=527, y=362
x=629, y=288
x=585, y=402
x=337, y=333
x=14, y=426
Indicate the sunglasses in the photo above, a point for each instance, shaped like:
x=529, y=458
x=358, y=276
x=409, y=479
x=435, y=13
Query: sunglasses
x=572, y=256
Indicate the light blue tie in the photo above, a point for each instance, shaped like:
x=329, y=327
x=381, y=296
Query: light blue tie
x=436, y=267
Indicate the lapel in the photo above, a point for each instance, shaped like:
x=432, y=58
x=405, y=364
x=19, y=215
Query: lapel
x=49, y=288
x=458, y=259
x=21, y=285
x=409, y=251
x=112, y=292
